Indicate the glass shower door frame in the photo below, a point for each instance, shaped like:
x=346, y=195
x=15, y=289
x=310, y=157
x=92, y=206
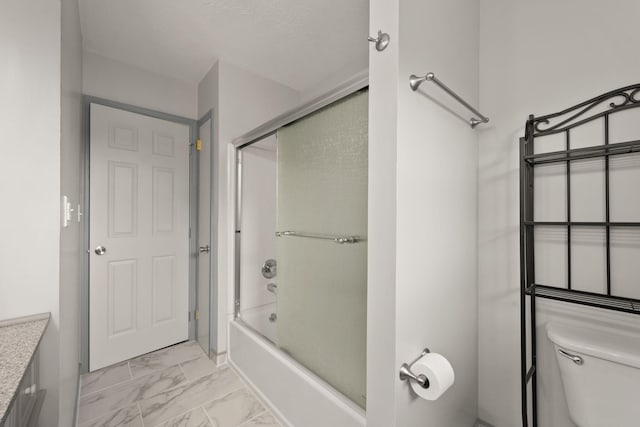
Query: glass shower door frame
x=263, y=131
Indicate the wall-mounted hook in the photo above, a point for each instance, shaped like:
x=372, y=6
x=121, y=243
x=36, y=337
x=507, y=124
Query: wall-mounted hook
x=382, y=41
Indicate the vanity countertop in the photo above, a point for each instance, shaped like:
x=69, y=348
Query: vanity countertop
x=19, y=339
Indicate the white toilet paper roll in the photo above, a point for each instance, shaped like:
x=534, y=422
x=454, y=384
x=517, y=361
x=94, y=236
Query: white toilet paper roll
x=438, y=371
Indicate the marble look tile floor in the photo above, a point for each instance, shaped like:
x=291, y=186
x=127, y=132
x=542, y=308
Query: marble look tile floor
x=177, y=386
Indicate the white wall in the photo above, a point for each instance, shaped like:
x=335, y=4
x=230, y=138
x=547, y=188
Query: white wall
x=241, y=101
x=381, y=245
x=208, y=92
x=244, y=101
x=435, y=165
x=536, y=58
x=30, y=174
x=349, y=73
x=71, y=162
x=208, y=99
x=116, y=81
x=436, y=206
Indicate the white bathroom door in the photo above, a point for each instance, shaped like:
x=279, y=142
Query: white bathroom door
x=139, y=235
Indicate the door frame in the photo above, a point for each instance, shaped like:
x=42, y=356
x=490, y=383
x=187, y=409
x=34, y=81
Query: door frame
x=213, y=241
x=87, y=100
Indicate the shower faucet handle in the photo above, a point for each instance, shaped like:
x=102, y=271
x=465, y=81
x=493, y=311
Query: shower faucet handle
x=269, y=269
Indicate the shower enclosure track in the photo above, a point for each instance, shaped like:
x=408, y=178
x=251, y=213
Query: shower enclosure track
x=564, y=122
x=337, y=239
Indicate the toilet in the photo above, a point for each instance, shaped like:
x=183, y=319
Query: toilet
x=600, y=371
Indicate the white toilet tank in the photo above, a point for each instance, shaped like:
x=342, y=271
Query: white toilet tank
x=600, y=372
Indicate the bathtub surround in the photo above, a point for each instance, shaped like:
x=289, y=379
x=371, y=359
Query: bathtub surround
x=258, y=239
x=264, y=320
x=296, y=395
x=175, y=386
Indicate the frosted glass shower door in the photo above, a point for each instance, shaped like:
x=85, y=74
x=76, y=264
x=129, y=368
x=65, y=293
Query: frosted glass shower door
x=322, y=285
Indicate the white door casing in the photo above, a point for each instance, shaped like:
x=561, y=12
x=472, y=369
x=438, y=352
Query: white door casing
x=139, y=211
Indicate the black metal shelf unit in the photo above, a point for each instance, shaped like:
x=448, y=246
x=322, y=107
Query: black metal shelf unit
x=564, y=122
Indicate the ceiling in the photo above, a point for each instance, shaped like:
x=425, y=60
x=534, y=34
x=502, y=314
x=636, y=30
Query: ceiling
x=298, y=43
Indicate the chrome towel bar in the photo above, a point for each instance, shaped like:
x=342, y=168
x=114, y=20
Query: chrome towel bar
x=337, y=239
x=416, y=81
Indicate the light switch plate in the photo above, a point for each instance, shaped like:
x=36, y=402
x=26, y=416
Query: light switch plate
x=66, y=211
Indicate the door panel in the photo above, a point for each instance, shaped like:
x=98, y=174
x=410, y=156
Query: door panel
x=122, y=282
x=139, y=208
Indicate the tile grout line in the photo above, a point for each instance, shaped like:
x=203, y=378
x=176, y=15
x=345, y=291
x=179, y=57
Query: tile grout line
x=131, y=380
x=102, y=388
x=106, y=388
x=196, y=407
x=217, y=399
x=174, y=417
x=156, y=372
x=140, y=412
x=186, y=384
x=256, y=397
x=206, y=414
x=103, y=414
x=266, y=411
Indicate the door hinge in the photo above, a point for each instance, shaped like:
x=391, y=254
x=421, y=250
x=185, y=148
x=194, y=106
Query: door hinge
x=196, y=314
x=198, y=144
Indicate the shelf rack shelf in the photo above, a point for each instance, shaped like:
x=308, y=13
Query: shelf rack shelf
x=564, y=123
x=609, y=302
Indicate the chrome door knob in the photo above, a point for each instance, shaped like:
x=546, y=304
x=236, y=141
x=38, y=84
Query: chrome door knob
x=100, y=250
x=205, y=249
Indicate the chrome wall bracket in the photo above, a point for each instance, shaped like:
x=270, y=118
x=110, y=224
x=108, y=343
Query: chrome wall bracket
x=406, y=374
x=382, y=41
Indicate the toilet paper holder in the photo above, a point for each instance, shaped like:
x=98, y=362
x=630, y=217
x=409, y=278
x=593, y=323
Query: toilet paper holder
x=406, y=374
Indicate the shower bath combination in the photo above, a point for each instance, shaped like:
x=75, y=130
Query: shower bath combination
x=302, y=250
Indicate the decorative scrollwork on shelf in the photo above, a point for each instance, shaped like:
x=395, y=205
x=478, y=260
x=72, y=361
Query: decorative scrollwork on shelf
x=623, y=98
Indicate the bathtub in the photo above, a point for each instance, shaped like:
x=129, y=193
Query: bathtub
x=257, y=318
x=298, y=397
